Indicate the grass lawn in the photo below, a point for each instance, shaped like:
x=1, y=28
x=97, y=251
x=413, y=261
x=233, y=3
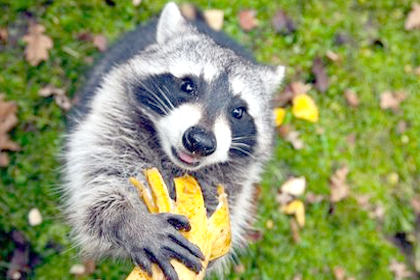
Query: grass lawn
x=383, y=159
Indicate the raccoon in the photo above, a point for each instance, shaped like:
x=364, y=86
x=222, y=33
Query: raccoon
x=175, y=95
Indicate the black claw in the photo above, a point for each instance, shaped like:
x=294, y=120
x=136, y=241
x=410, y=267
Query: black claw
x=193, y=249
x=182, y=255
x=179, y=222
x=144, y=263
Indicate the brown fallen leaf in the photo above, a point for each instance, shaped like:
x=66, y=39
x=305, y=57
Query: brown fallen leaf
x=254, y=235
x=239, y=268
x=38, y=44
x=4, y=35
x=214, y=18
x=400, y=270
x=415, y=203
x=299, y=87
x=136, y=3
x=60, y=97
x=417, y=71
x=321, y=78
x=282, y=23
x=351, y=138
x=100, y=42
x=293, y=137
x=413, y=18
x=351, y=98
x=339, y=273
x=392, y=100
x=248, y=20
x=8, y=120
x=189, y=11
x=333, y=56
x=294, y=227
x=338, y=185
x=401, y=126
x=314, y=198
x=294, y=186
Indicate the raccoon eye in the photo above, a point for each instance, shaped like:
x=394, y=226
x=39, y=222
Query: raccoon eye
x=237, y=113
x=187, y=86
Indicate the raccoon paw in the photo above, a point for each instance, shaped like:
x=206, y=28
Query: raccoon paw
x=164, y=242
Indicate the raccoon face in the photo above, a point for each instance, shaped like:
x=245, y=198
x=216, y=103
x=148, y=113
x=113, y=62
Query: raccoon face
x=208, y=104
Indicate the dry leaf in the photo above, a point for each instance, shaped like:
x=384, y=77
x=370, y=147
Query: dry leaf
x=38, y=44
x=321, y=78
x=401, y=126
x=305, y=108
x=34, y=217
x=339, y=273
x=392, y=100
x=214, y=18
x=363, y=201
x=248, y=20
x=338, y=185
x=400, y=270
x=293, y=137
x=294, y=186
x=239, y=268
x=351, y=138
x=297, y=208
x=417, y=71
x=189, y=11
x=4, y=35
x=269, y=224
x=314, y=198
x=415, y=203
x=100, y=42
x=294, y=227
x=279, y=115
x=77, y=269
x=299, y=88
x=333, y=56
x=253, y=235
x=378, y=212
x=413, y=18
x=282, y=24
x=351, y=98
x=8, y=120
x=136, y=3
x=50, y=90
x=90, y=266
x=283, y=198
x=59, y=94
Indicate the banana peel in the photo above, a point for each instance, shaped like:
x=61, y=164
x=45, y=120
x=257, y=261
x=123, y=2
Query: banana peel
x=212, y=235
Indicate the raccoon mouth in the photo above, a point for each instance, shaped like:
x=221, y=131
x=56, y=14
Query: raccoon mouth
x=185, y=158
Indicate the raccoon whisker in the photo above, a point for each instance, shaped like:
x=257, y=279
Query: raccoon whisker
x=241, y=144
x=163, y=106
x=243, y=151
x=242, y=138
x=166, y=97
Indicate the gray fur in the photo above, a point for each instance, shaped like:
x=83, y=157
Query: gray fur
x=113, y=138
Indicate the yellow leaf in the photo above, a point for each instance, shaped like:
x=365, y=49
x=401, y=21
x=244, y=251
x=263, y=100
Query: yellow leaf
x=211, y=234
x=297, y=208
x=305, y=108
x=279, y=115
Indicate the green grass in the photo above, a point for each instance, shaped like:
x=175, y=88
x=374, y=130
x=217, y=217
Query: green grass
x=347, y=237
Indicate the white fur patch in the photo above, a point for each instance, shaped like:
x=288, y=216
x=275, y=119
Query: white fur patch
x=172, y=127
x=224, y=138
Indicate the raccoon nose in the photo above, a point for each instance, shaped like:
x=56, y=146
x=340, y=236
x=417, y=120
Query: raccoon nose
x=199, y=141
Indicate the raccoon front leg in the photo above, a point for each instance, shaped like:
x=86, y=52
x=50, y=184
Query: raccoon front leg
x=146, y=238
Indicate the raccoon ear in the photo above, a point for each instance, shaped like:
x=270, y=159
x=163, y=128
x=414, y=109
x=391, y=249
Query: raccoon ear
x=272, y=76
x=171, y=22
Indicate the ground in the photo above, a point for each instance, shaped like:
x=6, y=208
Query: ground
x=379, y=146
